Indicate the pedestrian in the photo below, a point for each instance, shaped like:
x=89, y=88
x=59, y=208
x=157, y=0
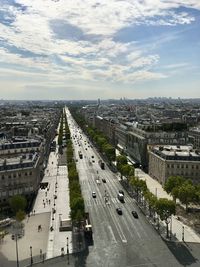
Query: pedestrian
x=40, y=253
x=45, y=194
x=49, y=201
x=44, y=205
x=34, y=212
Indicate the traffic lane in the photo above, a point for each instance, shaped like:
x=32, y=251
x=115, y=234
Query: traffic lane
x=124, y=228
x=108, y=241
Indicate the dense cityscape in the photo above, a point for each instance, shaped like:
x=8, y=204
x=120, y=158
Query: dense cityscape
x=85, y=182
x=99, y=133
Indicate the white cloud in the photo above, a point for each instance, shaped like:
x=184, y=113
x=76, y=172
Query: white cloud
x=61, y=60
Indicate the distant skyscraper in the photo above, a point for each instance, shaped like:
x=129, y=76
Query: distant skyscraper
x=99, y=101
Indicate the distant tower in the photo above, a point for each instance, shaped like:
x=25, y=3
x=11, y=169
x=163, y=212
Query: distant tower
x=98, y=102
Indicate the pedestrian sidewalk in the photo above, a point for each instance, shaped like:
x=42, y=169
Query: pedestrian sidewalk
x=180, y=231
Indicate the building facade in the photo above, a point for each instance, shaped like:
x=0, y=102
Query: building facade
x=166, y=161
x=19, y=175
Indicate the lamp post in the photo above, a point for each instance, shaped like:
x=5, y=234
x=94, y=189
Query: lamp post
x=31, y=254
x=171, y=228
x=183, y=234
x=16, y=238
x=17, y=231
x=68, y=250
x=60, y=221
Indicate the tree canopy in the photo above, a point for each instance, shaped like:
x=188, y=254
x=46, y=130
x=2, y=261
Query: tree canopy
x=17, y=203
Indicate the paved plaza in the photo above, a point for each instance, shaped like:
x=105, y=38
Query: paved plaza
x=51, y=206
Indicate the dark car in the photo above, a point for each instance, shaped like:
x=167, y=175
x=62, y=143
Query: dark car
x=121, y=192
x=104, y=180
x=135, y=215
x=119, y=211
x=94, y=194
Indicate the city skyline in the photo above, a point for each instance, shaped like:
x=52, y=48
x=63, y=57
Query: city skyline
x=99, y=49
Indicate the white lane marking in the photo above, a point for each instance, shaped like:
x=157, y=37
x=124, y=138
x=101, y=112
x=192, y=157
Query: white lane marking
x=120, y=232
x=112, y=234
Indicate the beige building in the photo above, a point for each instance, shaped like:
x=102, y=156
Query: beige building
x=166, y=161
x=19, y=175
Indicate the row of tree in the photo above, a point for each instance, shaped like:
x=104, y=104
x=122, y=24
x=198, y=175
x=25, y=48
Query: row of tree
x=123, y=167
x=76, y=200
x=60, y=134
x=183, y=189
x=163, y=207
x=96, y=136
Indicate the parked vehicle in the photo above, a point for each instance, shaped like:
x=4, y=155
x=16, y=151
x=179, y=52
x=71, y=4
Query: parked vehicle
x=87, y=226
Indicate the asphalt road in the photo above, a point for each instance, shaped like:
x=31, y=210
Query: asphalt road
x=120, y=240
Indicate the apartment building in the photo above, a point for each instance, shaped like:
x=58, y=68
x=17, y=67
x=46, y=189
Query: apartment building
x=19, y=175
x=166, y=161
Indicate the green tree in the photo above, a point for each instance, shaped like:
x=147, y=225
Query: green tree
x=172, y=186
x=17, y=203
x=139, y=186
x=77, y=206
x=20, y=215
x=151, y=199
x=186, y=194
x=121, y=160
x=126, y=170
x=109, y=151
x=165, y=208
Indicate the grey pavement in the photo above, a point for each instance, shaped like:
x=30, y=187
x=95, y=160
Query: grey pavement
x=179, y=229
x=38, y=240
x=50, y=242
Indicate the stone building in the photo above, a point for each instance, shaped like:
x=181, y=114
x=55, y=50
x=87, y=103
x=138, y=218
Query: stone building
x=166, y=161
x=19, y=175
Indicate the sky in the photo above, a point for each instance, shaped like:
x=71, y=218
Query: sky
x=90, y=49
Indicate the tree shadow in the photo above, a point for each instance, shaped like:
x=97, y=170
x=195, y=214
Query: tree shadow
x=182, y=253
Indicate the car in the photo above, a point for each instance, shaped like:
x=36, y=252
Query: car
x=134, y=213
x=94, y=194
x=121, y=192
x=119, y=211
x=103, y=180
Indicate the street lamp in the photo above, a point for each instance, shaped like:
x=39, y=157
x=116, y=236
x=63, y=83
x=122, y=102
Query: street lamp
x=171, y=228
x=31, y=254
x=67, y=245
x=68, y=250
x=16, y=238
x=60, y=221
x=17, y=231
x=183, y=234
